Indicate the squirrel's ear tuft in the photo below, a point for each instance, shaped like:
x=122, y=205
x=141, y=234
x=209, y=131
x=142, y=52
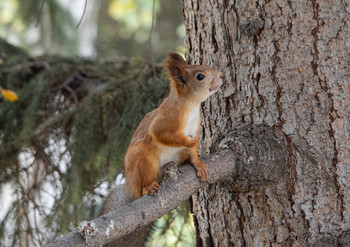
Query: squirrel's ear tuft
x=177, y=57
x=175, y=66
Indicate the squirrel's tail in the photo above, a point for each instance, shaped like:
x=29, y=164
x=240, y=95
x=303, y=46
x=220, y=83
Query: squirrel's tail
x=117, y=198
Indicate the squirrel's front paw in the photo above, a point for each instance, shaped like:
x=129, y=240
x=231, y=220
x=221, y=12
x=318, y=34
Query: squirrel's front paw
x=151, y=189
x=202, y=170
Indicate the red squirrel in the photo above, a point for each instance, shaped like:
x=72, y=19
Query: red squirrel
x=171, y=132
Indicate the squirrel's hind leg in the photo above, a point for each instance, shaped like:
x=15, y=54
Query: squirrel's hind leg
x=152, y=189
x=148, y=176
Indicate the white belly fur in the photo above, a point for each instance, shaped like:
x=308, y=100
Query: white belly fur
x=192, y=123
x=168, y=154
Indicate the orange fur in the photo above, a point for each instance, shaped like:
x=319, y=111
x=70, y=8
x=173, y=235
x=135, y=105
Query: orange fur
x=170, y=132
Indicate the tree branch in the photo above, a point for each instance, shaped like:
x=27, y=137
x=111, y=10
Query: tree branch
x=147, y=209
x=253, y=156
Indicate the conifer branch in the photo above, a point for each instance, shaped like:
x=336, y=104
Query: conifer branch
x=250, y=157
x=147, y=209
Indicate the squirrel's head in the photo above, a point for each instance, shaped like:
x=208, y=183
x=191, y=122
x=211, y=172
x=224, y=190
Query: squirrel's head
x=196, y=82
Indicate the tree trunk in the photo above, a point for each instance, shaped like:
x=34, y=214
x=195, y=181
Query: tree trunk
x=286, y=66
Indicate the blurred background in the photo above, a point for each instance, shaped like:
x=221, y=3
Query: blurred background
x=85, y=73
x=92, y=28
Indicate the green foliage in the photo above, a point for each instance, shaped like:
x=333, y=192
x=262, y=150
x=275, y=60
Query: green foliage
x=135, y=14
x=174, y=229
x=55, y=26
x=69, y=130
x=7, y=49
x=67, y=133
x=125, y=28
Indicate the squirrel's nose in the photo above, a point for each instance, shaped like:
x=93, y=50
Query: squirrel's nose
x=221, y=75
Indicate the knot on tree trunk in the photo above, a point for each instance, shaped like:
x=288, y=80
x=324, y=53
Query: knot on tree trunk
x=252, y=28
x=261, y=155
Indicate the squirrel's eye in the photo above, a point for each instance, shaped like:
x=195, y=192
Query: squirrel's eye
x=200, y=77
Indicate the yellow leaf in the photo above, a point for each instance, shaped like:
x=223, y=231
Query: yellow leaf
x=9, y=95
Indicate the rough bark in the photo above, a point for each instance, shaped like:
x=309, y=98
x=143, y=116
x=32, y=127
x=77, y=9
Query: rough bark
x=286, y=66
x=147, y=209
x=251, y=158
x=117, y=198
